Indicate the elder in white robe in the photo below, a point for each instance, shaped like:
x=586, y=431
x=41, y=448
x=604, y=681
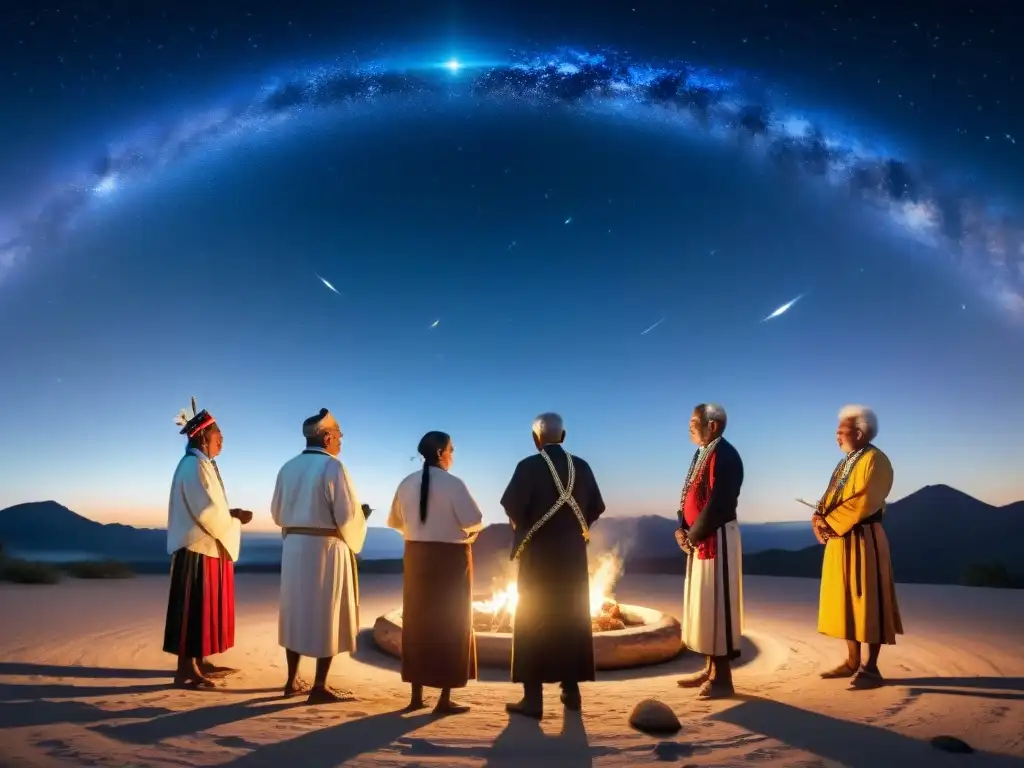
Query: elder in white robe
x=319, y=583
x=324, y=527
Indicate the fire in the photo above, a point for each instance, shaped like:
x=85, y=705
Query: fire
x=602, y=578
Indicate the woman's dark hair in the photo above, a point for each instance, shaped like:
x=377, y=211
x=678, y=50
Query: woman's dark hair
x=431, y=446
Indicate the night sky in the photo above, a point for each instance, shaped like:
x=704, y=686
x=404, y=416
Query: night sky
x=177, y=182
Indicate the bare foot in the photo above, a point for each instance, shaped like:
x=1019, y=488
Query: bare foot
x=295, y=687
x=329, y=696
x=213, y=671
x=414, y=705
x=450, y=708
x=193, y=682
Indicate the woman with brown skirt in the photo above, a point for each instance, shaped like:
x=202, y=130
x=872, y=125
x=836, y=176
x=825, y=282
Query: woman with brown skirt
x=439, y=520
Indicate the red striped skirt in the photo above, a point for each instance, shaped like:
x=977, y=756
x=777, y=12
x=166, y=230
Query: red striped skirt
x=201, y=605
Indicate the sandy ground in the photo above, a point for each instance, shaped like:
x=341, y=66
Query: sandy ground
x=83, y=683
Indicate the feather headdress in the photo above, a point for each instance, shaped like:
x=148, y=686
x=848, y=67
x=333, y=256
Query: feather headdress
x=184, y=417
x=195, y=422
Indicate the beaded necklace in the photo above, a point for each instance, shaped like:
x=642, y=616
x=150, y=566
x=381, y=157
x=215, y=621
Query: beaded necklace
x=839, y=478
x=700, y=460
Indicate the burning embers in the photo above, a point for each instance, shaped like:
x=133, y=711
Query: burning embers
x=496, y=613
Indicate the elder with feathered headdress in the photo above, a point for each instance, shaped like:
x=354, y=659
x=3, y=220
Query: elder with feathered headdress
x=203, y=539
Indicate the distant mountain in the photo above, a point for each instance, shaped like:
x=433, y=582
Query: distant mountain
x=936, y=535
x=50, y=527
x=650, y=538
x=47, y=530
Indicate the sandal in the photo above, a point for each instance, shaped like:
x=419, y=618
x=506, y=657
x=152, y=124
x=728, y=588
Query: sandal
x=866, y=680
x=844, y=670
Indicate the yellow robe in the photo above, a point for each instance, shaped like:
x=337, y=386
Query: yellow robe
x=858, y=593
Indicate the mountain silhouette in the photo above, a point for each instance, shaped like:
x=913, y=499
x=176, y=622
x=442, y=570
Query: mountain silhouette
x=936, y=533
x=52, y=527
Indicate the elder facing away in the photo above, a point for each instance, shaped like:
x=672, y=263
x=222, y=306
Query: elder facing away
x=551, y=502
x=858, y=593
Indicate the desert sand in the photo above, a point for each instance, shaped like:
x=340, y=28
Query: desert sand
x=83, y=682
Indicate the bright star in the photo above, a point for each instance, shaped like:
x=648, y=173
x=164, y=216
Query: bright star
x=452, y=65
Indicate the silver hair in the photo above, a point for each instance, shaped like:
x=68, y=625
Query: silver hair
x=863, y=417
x=712, y=412
x=549, y=428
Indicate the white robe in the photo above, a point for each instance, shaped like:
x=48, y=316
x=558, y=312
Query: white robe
x=713, y=599
x=197, y=512
x=319, y=583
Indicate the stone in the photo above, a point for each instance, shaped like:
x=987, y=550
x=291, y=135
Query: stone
x=952, y=744
x=654, y=717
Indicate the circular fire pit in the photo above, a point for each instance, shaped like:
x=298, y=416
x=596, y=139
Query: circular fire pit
x=656, y=638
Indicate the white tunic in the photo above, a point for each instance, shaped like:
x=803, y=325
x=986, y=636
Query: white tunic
x=453, y=516
x=713, y=597
x=319, y=583
x=198, y=515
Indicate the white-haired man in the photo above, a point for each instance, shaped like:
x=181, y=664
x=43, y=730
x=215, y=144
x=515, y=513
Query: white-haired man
x=324, y=527
x=551, y=501
x=858, y=593
x=710, y=535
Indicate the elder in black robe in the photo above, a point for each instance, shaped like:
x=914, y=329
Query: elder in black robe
x=551, y=501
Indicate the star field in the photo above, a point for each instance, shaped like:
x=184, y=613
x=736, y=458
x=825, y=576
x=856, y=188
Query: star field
x=400, y=184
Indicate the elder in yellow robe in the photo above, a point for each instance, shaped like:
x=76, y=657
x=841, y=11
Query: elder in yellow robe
x=858, y=593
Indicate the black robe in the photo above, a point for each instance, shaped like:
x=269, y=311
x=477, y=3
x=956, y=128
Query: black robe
x=552, y=639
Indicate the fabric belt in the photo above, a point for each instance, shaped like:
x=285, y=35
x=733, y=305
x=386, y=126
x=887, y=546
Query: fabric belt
x=855, y=536
x=330, y=533
x=327, y=533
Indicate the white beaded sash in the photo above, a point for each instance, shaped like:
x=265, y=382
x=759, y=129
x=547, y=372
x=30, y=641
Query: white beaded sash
x=565, y=497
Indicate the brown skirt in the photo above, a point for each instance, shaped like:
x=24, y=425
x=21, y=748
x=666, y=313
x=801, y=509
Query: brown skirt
x=438, y=646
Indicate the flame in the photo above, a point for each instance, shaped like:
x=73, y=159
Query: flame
x=605, y=573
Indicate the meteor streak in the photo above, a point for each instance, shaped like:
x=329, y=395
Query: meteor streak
x=644, y=333
x=329, y=286
x=783, y=309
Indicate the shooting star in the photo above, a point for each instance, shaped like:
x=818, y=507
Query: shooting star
x=644, y=333
x=783, y=309
x=329, y=286
x=434, y=324
x=569, y=220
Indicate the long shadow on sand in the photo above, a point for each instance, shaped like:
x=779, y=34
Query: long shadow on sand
x=36, y=691
x=1005, y=688
x=521, y=742
x=332, y=746
x=77, y=712
x=96, y=673
x=854, y=745
x=368, y=653
x=170, y=725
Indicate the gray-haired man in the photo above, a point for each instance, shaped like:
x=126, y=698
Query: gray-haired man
x=551, y=501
